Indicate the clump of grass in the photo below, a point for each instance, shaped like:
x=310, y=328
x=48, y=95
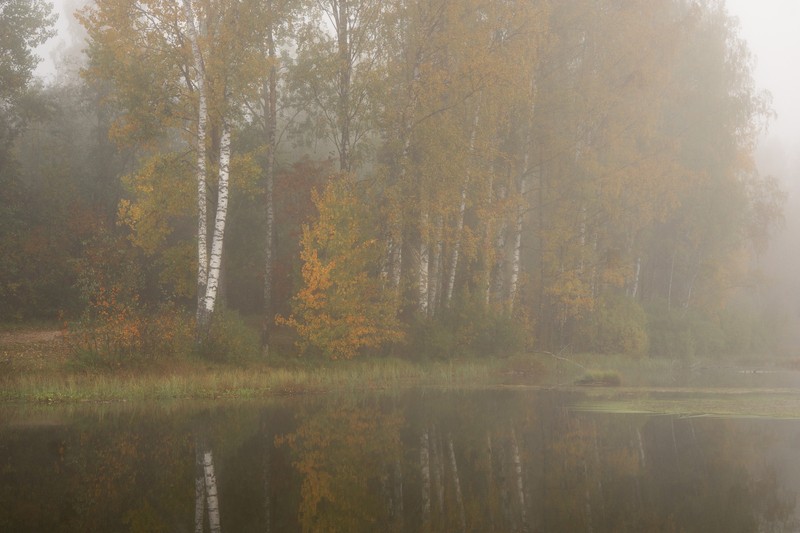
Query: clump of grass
x=600, y=379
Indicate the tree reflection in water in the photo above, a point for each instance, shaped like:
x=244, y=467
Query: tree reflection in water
x=484, y=461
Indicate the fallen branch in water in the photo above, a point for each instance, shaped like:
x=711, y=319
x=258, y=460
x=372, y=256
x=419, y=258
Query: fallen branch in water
x=561, y=358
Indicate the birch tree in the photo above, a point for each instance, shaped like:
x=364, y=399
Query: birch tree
x=191, y=64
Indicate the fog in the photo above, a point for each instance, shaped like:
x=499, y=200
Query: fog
x=770, y=28
x=535, y=226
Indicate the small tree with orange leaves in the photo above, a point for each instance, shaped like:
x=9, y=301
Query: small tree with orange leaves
x=343, y=307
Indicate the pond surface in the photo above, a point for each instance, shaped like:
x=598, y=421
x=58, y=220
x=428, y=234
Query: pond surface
x=419, y=461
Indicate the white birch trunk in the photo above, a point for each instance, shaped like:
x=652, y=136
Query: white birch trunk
x=271, y=112
x=500, y=247
x=436, y=269
x=215, y=260
x=345, y=73
x=516, y=253
x=635, y=289
x=202, y=120
x=424, y=264
x=211, y=492
x=451, y=278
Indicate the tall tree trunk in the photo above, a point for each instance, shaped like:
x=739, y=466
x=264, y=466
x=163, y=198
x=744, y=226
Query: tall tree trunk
x=453, y=267
x=435, y=280
x=345, y=71
x=202, y=202
x=215, y=260
x=516, y=252
x=498, y=270
x=271, y=119
x=451, y=278
x=424, y=264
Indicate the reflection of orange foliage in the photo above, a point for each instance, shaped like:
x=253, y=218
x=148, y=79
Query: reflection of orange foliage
x=341, y=452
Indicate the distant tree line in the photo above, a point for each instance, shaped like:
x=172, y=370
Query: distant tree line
x=417, y=176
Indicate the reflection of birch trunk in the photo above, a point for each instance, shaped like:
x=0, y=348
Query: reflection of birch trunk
x=520, y=483
x=490, y=480
x=642, y=464
x=211, y=492
x=457, y=483
x=425, y=473
x=438, y=470
x=199, y=491
x=502, y=482
x=588, y=497
x=599, y=468
x=398, y=494
x=267, y=485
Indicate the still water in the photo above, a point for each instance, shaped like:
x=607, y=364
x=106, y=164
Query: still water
x=421, y=461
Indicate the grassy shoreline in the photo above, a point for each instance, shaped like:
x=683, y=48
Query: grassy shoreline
x=36, y=367
x=251, y=381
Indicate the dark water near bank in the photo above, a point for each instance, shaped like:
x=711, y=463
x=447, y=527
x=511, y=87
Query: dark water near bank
x=422, y=461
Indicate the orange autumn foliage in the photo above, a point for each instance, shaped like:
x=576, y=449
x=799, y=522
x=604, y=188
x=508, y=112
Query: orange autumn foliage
x=342, y=307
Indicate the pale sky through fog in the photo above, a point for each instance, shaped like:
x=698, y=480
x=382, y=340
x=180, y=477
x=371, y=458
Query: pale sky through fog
x=772, y=30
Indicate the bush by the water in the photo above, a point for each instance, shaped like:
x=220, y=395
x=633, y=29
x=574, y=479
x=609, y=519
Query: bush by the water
x=470, y=328
x=617, y=324
x=231, y=338
x=119, y=332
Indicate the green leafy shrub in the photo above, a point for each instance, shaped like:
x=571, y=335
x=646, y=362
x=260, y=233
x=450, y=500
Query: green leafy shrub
x=231, y=339
x=469, y=328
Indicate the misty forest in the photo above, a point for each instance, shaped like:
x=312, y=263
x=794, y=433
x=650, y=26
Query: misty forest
x=362, y=177
x=218, y=200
